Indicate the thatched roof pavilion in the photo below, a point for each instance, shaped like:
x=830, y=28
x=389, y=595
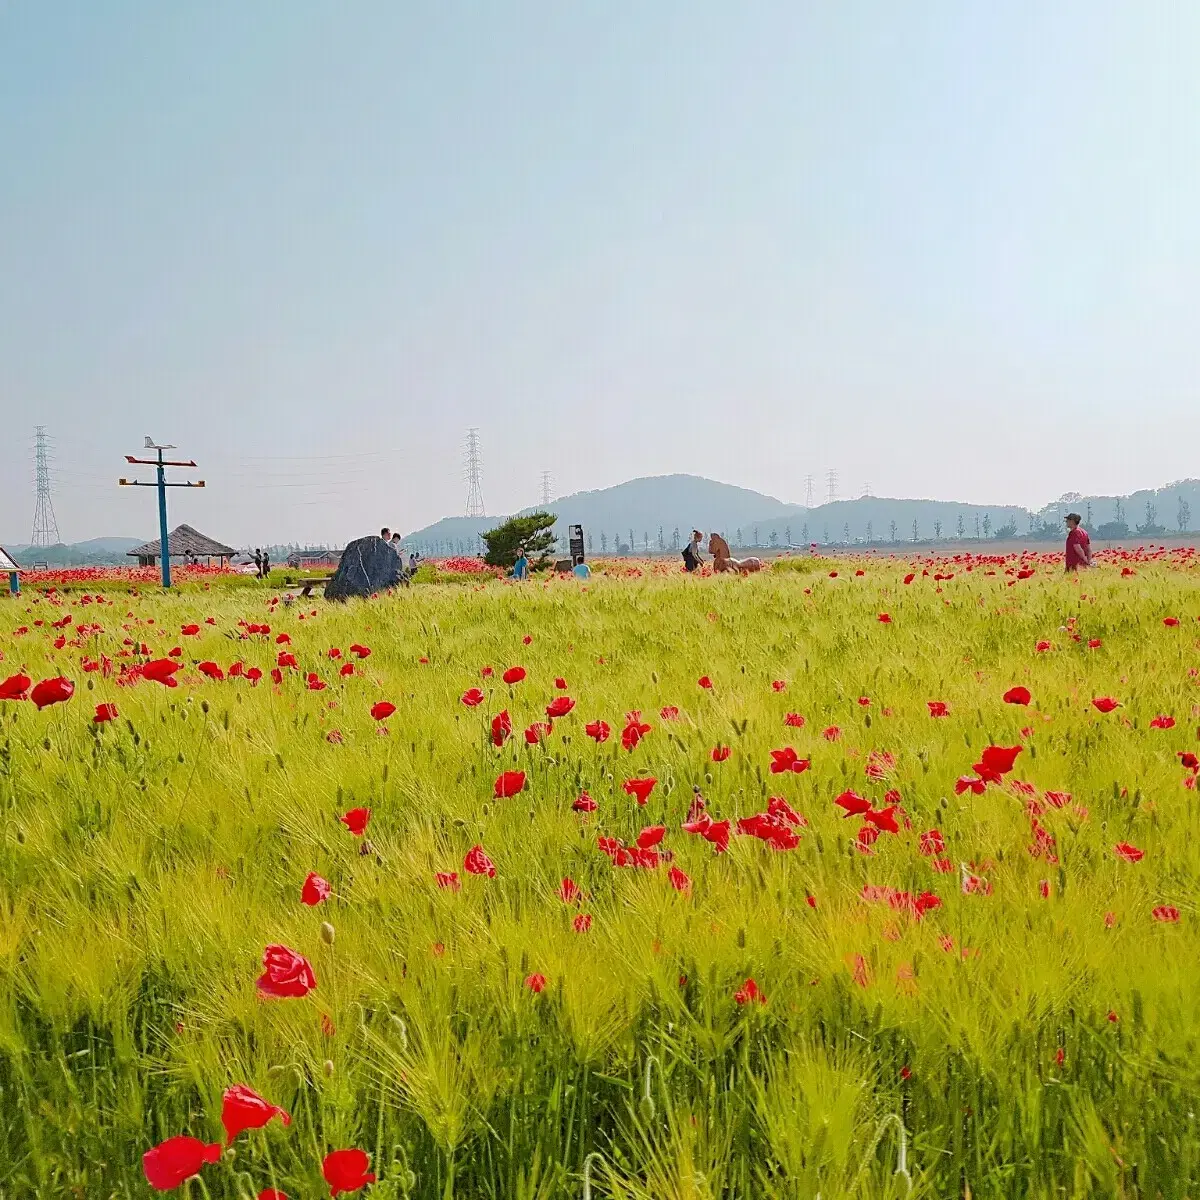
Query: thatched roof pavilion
x=183, y=542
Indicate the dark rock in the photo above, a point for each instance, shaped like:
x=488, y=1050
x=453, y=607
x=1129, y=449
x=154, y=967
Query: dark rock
x=367, y=565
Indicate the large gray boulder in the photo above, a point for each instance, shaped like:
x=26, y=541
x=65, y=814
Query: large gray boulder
x=367, y=565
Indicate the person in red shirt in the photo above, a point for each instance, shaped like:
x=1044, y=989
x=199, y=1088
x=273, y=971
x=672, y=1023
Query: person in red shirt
x=1079, y=545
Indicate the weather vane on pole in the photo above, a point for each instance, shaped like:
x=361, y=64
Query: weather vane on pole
x=160, y=464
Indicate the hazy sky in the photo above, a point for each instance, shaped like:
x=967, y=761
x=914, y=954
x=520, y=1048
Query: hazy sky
x=949, y=248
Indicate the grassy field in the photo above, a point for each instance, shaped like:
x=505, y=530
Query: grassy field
x=997, y=999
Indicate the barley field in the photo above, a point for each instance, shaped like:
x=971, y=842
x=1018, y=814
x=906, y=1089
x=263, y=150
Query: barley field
x=859, y=878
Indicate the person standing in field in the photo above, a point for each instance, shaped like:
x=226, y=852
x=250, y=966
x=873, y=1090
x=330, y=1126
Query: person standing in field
x=692, y=558
x=1079, y=545
x=581, y=570
x=266, y=563
x=258, y=564
x=521, y=566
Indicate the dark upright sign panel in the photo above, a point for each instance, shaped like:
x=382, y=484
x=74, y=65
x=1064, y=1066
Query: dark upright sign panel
x=576, y=534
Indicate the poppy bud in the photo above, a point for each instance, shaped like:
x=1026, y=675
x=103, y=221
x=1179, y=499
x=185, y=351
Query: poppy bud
x=328, y=1068
x=327, y=933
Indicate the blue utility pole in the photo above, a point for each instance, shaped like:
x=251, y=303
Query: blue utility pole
x=162, y=521
x=160, y=464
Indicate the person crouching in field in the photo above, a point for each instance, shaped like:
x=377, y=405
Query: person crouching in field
x=1079, y=545
x=692, y=558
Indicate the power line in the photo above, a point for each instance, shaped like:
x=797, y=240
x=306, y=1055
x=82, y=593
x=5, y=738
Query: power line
x=474, y=472
x=45, y=524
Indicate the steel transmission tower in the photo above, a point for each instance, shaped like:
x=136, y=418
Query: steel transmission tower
x=808, y=491
x=831, y=480
x=45, y=526
x=546, y=496
x=474, y=472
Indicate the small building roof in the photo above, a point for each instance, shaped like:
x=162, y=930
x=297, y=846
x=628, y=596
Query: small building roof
x=181, y=541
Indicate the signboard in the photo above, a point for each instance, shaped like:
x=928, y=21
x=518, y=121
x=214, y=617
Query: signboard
x=576, y=533
x=6, y=561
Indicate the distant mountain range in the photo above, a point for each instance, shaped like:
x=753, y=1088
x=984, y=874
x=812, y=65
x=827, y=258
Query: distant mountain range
x=660, y=512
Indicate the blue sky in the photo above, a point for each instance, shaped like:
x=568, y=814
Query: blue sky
x=950, y=249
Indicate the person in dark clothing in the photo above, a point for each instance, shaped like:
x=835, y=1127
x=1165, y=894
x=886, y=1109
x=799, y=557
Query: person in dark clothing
x=266, y=564
x=258, y=564
x=692, y=559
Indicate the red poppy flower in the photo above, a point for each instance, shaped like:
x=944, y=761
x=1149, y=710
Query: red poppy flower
x=509, y=783
x=501, y=728
x=285, y=973
x=15, y=687
x=582, y=922
x=568, y=891
x=537, y=733
x=853, y=803
x=937, y=708
x=864, y=701
x=831, y=734
x=1042, y=647
x=211, y=670
x=189, y=630
x=1162, y=722
x=635, y=729
x=346, y=669
x=1167, y=913
x=1017, y=695
x=285, y=658
x=561, y=684
x=651, y=836
x=996, y=762
x=1095, y=644
x=704, y=682
x=584, y=804
x=598, y=730
x=909, y=578
x=1188, y=760
x=487, y=672
x=1058, y=799
x=778, y=685
x=932, y=843
x=346, y=1171
x=535, y=983
x=749, y=993
x=283, y=640
x=669, y=713
x=559, y=707
x=51, y=691
x=448, y=880
x=639, y=788
x=168, y=1164
x=105, y=712
x=1170, y=622
x=513, y=675
x=794, y=721
x=272, y=1194
x=315, y=889
x=679, y=881
x=884, y=619
x=1105, y=704
x=254, y=674
x=787, y=760
x=527, y=640
x=472, y=697
x=356, y=820
x=359, y=651
x=478, y=863
x=720, y=753
x=382, y=709
x=969, y=782
x=334, y=652
x=242, y=1108
x=1127, y=852
x=883, y=819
